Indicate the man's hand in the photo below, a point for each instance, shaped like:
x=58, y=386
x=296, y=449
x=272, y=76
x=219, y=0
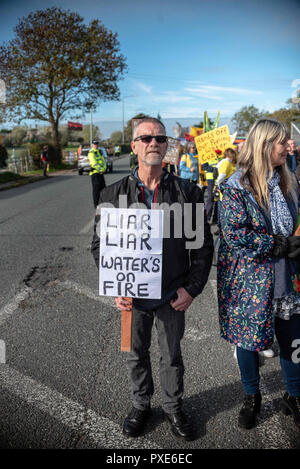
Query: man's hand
x=122, y=303
x=183, y=300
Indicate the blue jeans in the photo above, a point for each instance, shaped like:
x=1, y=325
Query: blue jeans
x=286, y=332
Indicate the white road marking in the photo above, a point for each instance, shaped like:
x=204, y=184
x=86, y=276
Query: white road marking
x=87, y=422
x=87, y=292
x=213, y=284
x=87, y=228
x=2, y=351
x=11, y=307
x=100, y=431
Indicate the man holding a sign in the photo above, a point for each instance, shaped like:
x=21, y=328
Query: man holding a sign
x=156, y=269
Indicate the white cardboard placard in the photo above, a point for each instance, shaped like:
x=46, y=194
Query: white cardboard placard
x=130, y=262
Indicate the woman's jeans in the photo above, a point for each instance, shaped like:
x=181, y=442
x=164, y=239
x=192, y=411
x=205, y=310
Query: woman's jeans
x=288, y=337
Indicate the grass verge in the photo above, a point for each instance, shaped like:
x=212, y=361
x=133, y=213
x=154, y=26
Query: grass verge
x=7, y=176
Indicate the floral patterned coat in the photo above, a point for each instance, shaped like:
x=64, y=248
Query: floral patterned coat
x=245, y=270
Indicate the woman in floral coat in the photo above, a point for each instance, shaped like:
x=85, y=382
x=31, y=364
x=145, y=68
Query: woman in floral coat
x=258, y=264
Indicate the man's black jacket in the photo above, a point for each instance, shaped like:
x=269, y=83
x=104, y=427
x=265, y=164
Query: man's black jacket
x=188, y=268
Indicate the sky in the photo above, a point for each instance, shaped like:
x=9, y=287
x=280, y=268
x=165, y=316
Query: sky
x=187, y=57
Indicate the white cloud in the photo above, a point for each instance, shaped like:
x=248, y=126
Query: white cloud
x=171, y=98
x=205, y=90
x=181, y=111
x=147, y=89
x=203, y=93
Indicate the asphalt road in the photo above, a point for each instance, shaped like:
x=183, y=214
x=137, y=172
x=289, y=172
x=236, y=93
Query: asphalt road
x=63, y=382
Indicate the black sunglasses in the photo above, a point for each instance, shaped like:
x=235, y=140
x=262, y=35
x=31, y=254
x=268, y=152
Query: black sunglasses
x=148, y=138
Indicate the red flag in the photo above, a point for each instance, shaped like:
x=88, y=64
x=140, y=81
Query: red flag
x=74, y=126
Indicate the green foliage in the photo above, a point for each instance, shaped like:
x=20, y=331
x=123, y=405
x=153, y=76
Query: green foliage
x=3, y=156
x=201, y=124
x=7, y=176
x=245, y=118
x=36, y=149
x=128, y=128
x=116, y=138
x=86, y=133
x=125, y=148
x=17, y=135
x=287, y=115
x=247, y=115
x=56, y=66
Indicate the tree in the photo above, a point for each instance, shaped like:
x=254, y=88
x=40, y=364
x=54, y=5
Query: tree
x=86, y=133
x=245, y=118
x=18, y=135
x=289, y=114
x=56, y=66
x=116, y=138
x=201, y=124
x=285, y=115
x=3, y=156
x=128, y=128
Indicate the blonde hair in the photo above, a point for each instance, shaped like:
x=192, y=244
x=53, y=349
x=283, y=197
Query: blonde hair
x=255, y=160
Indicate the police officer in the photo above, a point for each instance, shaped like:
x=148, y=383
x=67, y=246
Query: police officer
x=133, y=160
x=117, y=150
x=98, y=167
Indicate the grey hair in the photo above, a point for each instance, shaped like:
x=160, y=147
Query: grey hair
x=144, y=120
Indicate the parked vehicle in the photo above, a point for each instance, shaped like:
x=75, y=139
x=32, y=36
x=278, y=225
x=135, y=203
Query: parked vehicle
x=84, y=166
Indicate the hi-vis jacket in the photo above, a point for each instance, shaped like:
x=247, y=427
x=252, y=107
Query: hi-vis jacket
x=97, y=161
x=209, y=168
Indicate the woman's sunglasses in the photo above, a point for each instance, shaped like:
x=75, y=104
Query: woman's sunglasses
x=148, y=138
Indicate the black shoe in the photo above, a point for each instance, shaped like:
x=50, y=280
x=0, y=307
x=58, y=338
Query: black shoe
x=251, y=407
x=291, y=405
x=135, y=421
x=180, y=426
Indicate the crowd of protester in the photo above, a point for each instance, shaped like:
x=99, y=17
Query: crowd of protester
x=252, y=193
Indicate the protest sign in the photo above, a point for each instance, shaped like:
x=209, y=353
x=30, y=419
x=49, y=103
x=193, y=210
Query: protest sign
x=130, y=263
x=209, y=142
x=172, y=154
x=194, y=131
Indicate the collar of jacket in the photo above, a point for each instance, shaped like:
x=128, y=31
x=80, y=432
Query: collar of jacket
x=134, y=176
x=139, y=186
x=234, y=182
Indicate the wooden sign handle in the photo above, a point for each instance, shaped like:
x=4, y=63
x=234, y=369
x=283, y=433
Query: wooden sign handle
x=126, y=327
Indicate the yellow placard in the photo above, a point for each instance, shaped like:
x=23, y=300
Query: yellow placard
x=209, y=142
x=195, y=131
